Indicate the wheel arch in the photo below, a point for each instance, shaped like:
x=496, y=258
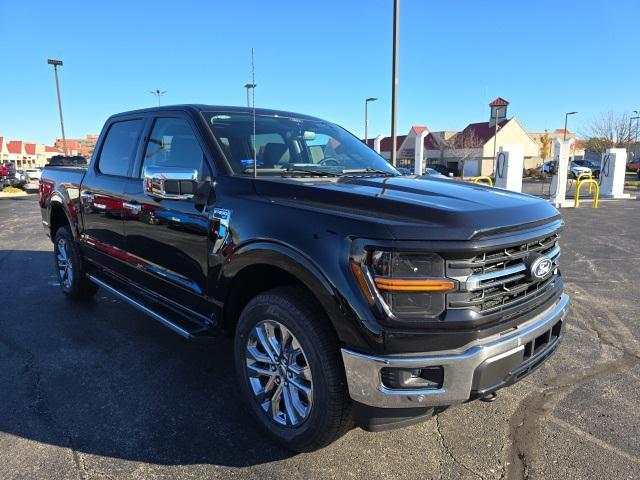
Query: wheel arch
x=59, y=217
x=259, y=267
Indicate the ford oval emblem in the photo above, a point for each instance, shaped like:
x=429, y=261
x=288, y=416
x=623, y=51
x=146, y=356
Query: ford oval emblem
x=540, y=268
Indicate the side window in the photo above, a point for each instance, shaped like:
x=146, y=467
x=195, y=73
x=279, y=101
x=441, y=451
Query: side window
x=172, y=143
x=119, y=147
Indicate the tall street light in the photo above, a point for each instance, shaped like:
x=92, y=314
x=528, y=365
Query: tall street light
x=631, y=119
x=249, y=86
x=394, y=89
x=158, y=94
x=366, y=116
x=566, y=117
x=56, y=64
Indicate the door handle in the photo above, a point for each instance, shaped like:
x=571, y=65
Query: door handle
x=133, y=207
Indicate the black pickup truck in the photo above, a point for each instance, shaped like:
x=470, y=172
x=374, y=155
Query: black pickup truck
x=354, y=295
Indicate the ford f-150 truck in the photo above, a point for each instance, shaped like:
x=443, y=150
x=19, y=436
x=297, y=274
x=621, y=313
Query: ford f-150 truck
x=354, y=295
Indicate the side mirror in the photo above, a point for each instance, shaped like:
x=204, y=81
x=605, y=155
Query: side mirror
x=175, y=183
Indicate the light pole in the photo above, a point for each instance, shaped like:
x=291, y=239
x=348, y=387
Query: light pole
x=158, y=94
x=394, y=89
x=631, y=119
x=249, y=86
x=566, y=117
x=366, y=116
x=56, y=64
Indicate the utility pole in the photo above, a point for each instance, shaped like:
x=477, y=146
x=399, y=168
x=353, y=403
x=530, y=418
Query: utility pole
x=56, y=64
x=158, y=94
x=394, y=90
x=631, y=119
x=249, y=86
x=366, y=116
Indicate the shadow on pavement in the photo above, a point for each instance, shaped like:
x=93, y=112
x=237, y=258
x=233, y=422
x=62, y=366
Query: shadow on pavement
x=103, y=379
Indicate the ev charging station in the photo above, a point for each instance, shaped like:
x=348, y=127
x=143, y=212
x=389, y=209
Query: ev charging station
x=419, y=152
x=376, y=143
x=509, y=165
x=560, y=167
x=612, y=173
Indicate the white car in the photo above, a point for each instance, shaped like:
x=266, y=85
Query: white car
x=34, y=173
x=574, y=169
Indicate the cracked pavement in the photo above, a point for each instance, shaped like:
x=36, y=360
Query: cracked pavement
x=97, y=390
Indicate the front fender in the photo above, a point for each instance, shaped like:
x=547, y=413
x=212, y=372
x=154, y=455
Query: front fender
x=350, y=330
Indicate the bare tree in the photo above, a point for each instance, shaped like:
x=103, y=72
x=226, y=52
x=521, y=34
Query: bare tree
x=608, y=130
x=464, y=146
x=545, y=149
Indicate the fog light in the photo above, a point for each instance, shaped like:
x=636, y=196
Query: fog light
x=412, y=378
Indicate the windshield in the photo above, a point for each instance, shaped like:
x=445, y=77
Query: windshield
x=286, y=145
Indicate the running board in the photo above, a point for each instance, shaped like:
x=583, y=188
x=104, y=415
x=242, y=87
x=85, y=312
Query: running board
x=189, y=328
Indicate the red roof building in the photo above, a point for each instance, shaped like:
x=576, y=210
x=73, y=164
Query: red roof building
x=30, y=148
x=499, y=102
x=15, y=147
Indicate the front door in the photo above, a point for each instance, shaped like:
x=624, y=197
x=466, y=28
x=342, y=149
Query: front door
x=102, y=194
x=167, y=237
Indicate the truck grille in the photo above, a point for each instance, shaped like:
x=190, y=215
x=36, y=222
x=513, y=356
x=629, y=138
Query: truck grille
x=497, y=280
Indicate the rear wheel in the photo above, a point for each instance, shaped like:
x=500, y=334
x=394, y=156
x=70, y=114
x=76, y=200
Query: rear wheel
x=70, y=268
x=288, y=366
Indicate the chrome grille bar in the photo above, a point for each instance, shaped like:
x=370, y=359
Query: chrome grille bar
x=474, y=282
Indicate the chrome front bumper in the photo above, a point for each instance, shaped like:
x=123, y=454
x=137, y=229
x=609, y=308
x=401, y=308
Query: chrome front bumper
x=363, y=371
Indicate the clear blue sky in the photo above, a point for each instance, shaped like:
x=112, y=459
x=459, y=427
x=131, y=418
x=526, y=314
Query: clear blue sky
x=322, y=58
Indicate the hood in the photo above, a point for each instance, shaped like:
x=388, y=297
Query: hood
x=414, y=208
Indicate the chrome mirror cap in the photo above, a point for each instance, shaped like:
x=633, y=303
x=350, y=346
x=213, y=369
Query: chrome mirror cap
x=169, y=182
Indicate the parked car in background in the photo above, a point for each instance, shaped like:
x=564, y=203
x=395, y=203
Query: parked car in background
x=593, y=166
x=8, y=175
x=432, y=173
x=34, y=173
x=634, y=166
x=67, y=161
x=573, y=169
x=22, y=177
x=442, y=169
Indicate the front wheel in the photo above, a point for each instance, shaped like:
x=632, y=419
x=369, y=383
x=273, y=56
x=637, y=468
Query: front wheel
x=70, y=267
x=288, y=366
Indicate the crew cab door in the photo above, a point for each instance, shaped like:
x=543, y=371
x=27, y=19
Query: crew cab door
x=102, y=193
x=168, y=237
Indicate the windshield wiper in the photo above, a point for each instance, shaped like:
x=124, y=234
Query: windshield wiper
x=369, y=170
x=310, y=171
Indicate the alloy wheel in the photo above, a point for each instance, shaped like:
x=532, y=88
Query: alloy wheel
x=65, y=267
x=279, y=374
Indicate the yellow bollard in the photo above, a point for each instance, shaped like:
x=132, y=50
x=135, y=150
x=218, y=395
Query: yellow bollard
x=590, y=181
x=483, y=179
x=586, y=175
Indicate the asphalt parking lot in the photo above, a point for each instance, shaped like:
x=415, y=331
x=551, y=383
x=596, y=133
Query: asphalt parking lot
x=98, y=390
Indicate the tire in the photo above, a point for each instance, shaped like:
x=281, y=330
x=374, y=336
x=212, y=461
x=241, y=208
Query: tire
x=328, y=406
x=72, y=278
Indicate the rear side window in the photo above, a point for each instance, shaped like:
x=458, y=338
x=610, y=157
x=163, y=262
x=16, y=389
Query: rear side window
x=119, y=147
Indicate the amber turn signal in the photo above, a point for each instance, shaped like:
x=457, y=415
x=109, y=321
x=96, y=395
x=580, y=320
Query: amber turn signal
x=357, y=272
x=403, y=285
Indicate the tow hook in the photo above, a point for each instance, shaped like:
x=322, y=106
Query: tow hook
x=489, y=397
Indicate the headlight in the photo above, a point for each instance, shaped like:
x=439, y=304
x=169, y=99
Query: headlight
x=411, y=284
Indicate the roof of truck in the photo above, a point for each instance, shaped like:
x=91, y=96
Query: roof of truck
x=218, y=108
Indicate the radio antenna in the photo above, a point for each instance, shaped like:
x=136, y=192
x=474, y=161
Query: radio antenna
x=253, y=104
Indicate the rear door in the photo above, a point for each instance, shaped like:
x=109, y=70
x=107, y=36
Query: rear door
x=102, y=193
x=167, y=237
